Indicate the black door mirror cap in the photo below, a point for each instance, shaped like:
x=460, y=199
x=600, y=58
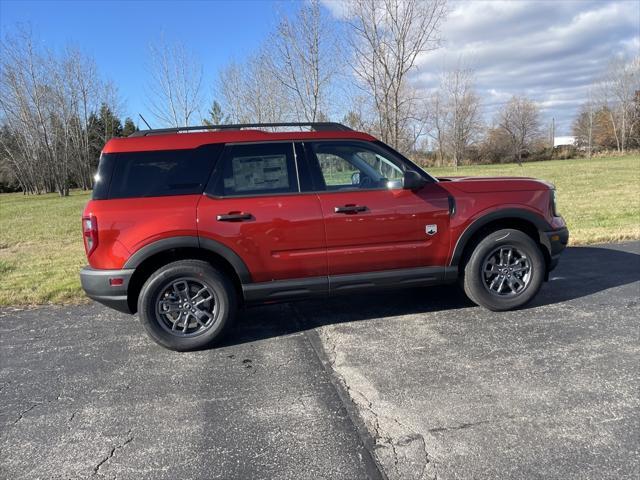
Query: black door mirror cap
x=413, y=180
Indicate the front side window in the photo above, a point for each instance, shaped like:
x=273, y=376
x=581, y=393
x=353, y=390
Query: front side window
x=257, y=169
x=345, y=165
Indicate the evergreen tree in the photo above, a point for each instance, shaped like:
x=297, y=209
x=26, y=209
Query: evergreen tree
x=129, y=127
x=110, y=123
x=216, y=115
x=102, y=126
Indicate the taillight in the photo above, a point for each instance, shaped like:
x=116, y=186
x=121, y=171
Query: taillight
x=90, y=233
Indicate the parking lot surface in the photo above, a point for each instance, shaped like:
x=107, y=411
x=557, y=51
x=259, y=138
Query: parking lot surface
x=451, y=390
x=405, y=385
x=86, y=394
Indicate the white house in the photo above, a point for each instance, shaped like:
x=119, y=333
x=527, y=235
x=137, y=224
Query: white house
x=561, y=141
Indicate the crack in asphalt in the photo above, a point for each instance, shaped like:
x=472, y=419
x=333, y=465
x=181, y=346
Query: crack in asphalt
x=327, y=361
x=381, y=438
x=73, y=415
x=428, y=460
x=22, y=414
x=96, y=469
x=462, y=426
x=35, y=404
x=386, y=440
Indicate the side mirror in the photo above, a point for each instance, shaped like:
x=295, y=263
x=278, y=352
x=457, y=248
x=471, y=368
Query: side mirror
x=413, y=180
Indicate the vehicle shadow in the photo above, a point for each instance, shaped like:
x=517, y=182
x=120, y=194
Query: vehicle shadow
x=582, y=271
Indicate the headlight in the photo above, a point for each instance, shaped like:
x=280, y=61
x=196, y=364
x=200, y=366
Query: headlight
x=553, y=206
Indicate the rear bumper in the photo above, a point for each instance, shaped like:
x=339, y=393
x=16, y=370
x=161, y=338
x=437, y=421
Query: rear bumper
x=97, y=286
x=555, y=241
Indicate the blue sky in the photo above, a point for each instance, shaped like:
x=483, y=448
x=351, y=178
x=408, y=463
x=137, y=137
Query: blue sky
x=118, y=33
x=549, y=50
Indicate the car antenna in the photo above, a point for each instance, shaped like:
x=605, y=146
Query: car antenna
x=146, y=123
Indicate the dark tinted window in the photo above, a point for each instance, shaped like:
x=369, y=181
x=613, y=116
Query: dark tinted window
x=257, y=169
x=103, y=177
x=162, y=173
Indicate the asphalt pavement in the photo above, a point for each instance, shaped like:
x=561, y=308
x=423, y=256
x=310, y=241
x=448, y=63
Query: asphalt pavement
x=85, y=394
x=412, y=384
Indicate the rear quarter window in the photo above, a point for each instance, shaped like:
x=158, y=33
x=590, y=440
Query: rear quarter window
x=102, y=179
x=160, y=173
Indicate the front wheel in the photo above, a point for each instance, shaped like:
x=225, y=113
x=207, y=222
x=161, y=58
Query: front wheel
x=187, y=305
x=505, y=271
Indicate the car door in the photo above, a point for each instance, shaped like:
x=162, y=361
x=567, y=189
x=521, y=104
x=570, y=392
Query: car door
x=253, y=206
x=371, y=222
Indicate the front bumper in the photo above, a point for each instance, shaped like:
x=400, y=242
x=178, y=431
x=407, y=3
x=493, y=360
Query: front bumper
x=555, y=241
x=96, y=284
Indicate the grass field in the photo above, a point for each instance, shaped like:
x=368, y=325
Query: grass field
x=41, y=247
x=598, y=198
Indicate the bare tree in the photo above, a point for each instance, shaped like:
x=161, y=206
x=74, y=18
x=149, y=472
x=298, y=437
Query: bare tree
x=388, y=36
x=461, y=124
x=585, y=123
x=263, y=94
x=618, y=95
x=356, y=117
x=30, y=101
x=520, y=120
x=250, y=93
x=46, y=103
x=436, y=119
x=229, y=88
x=85, y=91
x=175, y=88
x=305, y=59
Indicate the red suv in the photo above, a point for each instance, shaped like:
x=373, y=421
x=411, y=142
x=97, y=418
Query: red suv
x=184, y=227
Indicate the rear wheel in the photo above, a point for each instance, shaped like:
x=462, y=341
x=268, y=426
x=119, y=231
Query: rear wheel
x=187, y=305
x=505, y=271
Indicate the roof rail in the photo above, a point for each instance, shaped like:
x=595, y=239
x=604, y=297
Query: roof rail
x=315, y=126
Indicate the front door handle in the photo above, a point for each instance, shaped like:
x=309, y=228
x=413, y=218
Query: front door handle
x=234, y=217
x=350, y=209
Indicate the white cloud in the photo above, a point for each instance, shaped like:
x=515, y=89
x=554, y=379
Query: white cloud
x=550, y=51
x=338, y=8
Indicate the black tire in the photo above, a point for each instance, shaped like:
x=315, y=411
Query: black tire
x=218, y=301
x=480, y=273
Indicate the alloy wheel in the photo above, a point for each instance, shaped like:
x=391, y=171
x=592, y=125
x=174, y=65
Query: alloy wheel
x=187, y=307
x=506, y=271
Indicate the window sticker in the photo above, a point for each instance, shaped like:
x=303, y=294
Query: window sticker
x=259, y=173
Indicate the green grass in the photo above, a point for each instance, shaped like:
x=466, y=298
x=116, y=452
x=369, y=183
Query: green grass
x=41, y=247
x=598, y=198
x=41, y=250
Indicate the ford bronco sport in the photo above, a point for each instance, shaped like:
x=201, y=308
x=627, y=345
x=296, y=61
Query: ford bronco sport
x=185, y=226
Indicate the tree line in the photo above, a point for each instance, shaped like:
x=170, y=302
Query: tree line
x=311, y=68
x=609, y=119
x=56, y=111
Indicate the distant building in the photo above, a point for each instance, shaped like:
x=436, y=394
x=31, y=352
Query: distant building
x=563, y=141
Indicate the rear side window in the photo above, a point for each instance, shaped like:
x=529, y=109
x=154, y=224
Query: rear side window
x=160, y=173
x=257, y=169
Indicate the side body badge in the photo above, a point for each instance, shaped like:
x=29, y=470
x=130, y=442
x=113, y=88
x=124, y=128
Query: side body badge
x=431, y=229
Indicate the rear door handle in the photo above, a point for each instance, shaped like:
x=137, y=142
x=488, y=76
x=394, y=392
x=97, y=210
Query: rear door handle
x=234, y=217
x=350, y=209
